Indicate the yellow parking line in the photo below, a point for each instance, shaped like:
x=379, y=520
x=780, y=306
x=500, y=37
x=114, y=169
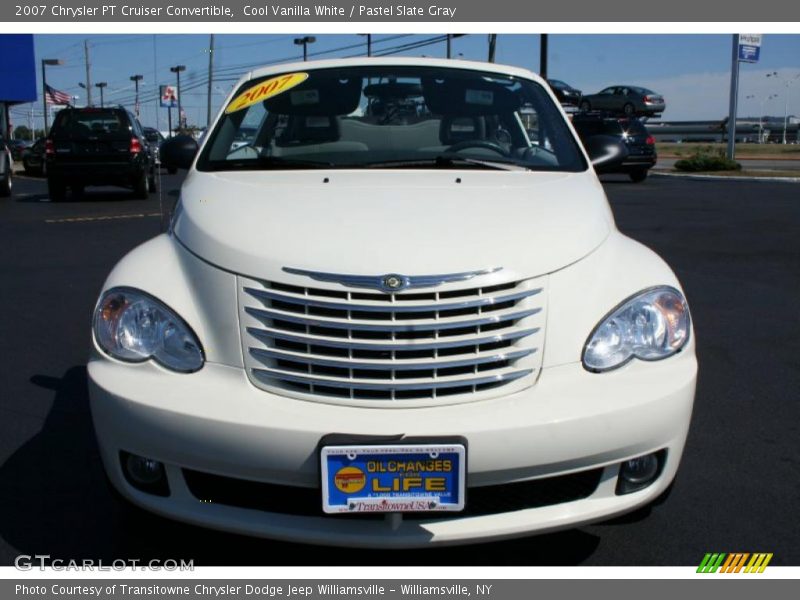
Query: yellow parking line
x=102, y=218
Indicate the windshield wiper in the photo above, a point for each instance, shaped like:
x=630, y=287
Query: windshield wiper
x=444, y=161
x=277, y=162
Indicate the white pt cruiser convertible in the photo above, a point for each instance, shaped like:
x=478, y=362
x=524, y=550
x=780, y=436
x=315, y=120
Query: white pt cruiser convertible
x=392, y=310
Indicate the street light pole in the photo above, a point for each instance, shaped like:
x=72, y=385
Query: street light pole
x=45, y=63
x=101, y=85
x=177, y=69
x=304, y=42
x=369, y=42
x=136, y=79
x=788, y=83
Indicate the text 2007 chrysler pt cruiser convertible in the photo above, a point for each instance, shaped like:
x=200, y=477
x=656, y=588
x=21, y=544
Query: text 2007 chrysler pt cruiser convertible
x=392, y=310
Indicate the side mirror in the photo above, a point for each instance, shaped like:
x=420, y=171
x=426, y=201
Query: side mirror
x=606, y=152
x=178, y=152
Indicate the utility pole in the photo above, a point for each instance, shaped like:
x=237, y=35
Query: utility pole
x=734, y=98
x=136, y=79
x=543, y=55
x=210, y=78
x=449, y=46
x=101, y=85
x=88, y=77
x=492, y=46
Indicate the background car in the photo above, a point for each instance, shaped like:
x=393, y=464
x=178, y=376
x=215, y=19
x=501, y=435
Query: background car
x=565, y=93
x=629, y=100
x=6, y=169
x=154, y=139
x=33, y=158
x=17, y=148
x=98, y=146
x=640, y=146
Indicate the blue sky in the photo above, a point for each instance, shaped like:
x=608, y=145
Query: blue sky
x=691, y=71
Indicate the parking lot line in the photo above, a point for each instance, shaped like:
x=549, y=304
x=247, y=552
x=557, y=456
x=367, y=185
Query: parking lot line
x=102, y=218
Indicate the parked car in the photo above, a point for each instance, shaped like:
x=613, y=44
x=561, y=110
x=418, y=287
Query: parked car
x=6, y=170
x=640, y=147
x=154, y=140
x=393, y=302
x=33, y=160
x=17, y=148
x=565, y=93
x=629, y=100
x=98, y=146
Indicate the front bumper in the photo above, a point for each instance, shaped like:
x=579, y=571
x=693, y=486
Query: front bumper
x=214, y=421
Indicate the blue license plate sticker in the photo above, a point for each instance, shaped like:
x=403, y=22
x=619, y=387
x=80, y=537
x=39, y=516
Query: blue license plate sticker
x=393, y=478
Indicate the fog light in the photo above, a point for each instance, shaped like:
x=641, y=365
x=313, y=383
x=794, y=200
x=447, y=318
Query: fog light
x=145, y=474
x=637, y=473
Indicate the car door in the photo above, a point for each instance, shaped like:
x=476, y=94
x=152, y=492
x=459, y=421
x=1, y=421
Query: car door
x=604, y=99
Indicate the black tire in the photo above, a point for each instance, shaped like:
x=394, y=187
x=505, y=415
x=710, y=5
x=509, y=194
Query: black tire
x=638, y=175
x=628, y=110
x=585, y=106
x=140, y=187
x=6, y=186
x=57, y=190
x=77, y=190
x=172, y=170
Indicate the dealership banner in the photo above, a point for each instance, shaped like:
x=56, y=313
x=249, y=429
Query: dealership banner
x=411, y=588
x=375, y=11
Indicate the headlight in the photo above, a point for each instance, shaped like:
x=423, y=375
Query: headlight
x=651, y=325
x=133, y=326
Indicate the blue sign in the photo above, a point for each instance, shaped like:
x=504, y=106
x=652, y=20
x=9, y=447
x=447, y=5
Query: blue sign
x=749, y=53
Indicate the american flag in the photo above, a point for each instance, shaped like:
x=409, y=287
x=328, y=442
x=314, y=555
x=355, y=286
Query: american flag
x=54, y=96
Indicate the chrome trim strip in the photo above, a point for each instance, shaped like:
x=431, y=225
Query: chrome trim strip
x=266, y=313
x=273, y=375
x=260, y=353
x=269, y=334
x=378, y=282
x=304, y=301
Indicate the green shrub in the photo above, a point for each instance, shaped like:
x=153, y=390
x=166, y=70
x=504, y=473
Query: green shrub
x=707, y=158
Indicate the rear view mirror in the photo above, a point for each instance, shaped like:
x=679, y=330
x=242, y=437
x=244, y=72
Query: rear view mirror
x=606, y=151
x=178, y=152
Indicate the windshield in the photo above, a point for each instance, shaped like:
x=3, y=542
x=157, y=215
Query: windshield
x=391, y=117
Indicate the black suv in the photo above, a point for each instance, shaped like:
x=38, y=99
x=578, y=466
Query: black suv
x=640, y=147
x=98, y=146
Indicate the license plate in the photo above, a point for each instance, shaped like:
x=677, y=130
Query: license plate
x=393, y=478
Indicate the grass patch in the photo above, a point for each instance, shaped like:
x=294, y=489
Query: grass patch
x=777, y=151
x=707, y=159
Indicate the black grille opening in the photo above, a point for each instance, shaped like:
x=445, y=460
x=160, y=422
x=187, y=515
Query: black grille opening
x=292, y=289
x=465, y=349
x=294, y=386
x=292, y=346
x=366, y=315
x=496, y=326
x=373, y=354
x=453, y=391
x=410, y=354
x=451, y=371
x=371, y=297
x=333, y=313
x=414, y=374
x=457, y=312
x=413, y=316
x=500, y=364
x=290, y=365
x=487, y=500
x=412, y=297
x=327, y=331
x=288, y=326
x=362, y=394
x=413, y=394
x=370, y=335
x=372, y=374
x=288, y=306
x=415, y=335
x=329, y=351
x=331, y=391
x=327, y=293
x=495, y=346
x=458, y=331
x=458, y=293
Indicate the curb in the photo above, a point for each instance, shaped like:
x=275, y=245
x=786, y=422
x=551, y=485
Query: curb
x=726, y=178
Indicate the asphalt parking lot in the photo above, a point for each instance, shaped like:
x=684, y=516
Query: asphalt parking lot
x=735, y=245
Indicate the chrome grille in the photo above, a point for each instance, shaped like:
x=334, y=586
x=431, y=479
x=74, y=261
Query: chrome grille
x=342, y=345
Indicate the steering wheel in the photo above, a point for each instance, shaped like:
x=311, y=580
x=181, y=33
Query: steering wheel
x=493, y=146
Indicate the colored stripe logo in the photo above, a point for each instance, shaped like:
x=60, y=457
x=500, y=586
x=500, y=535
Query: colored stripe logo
x=736, y=562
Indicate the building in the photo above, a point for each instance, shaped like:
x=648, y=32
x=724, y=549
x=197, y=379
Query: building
x=17, y=75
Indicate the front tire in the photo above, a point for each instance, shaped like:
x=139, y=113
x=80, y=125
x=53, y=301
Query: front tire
x=638, y=175
x=140, y=186
x=628, y=109
x=57, y=190
x=585, y=106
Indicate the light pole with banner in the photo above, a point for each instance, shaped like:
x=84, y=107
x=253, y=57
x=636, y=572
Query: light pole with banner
x=177, y=69
x=169, y=100
x=45, y=63
x=136, y=79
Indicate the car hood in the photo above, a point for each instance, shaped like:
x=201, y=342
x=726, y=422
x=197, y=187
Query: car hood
x=392, y=221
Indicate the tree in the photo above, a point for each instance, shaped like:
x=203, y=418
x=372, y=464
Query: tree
x=21, y=132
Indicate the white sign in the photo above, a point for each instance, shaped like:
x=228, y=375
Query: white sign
x=749, y=47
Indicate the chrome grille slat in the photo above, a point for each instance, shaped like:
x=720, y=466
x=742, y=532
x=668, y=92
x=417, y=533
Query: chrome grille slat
x=388, y=307
x=431, y=325
x=431, y=345
x=260, y=353
x=266, y=334
x=369, y=385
